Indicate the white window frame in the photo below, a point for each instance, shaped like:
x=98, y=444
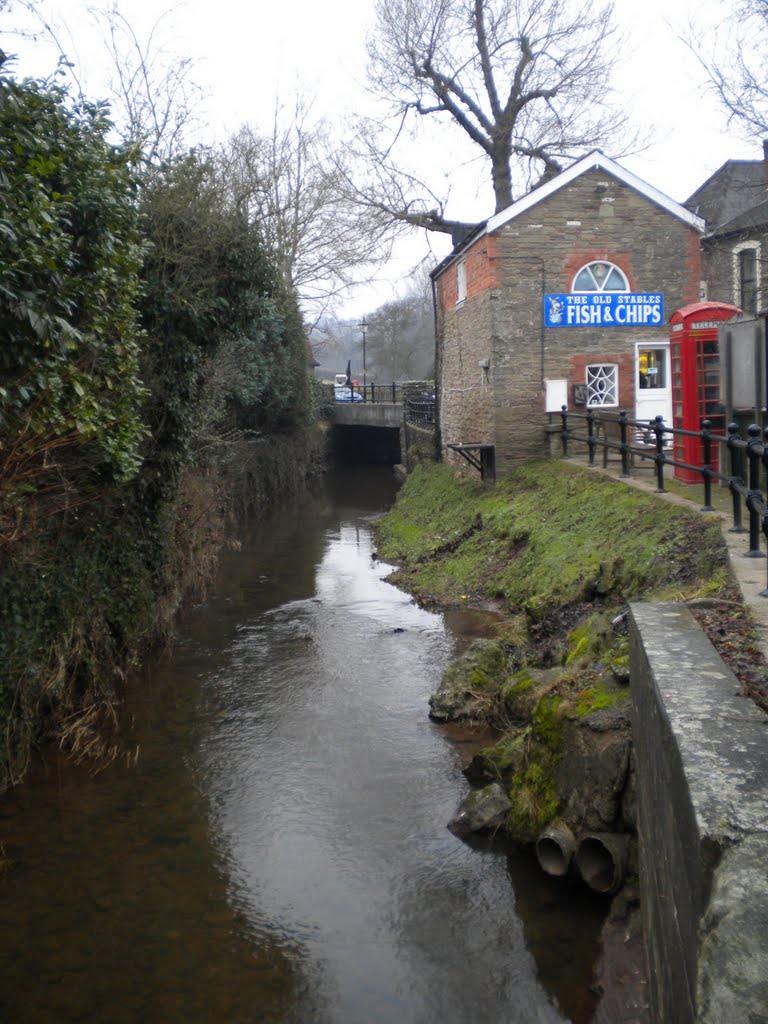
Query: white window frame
x=736, y=252
x=611, y=267
x=593, y=389
x=461, y=281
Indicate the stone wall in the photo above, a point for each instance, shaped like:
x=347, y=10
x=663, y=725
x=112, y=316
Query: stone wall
x=595, y=217
x=719, y=267
x=702, y=771
x=420, y=445
x=466, y=398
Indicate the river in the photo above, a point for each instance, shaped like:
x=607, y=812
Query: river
x=278, y=852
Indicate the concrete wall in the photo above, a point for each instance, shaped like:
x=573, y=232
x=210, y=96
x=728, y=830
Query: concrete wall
x=368, y=414
x=702, y=775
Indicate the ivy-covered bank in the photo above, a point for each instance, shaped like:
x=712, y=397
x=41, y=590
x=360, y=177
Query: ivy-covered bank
x=154, y=383
x=559, y=552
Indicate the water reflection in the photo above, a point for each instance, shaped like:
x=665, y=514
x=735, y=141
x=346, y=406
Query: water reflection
x=280, y=853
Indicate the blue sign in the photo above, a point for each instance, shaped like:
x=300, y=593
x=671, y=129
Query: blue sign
x=604, y=309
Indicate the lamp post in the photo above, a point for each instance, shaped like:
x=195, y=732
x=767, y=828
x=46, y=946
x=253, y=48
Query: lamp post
x=363, y=325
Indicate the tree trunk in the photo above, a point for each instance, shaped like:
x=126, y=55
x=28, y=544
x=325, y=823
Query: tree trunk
x=501, y=157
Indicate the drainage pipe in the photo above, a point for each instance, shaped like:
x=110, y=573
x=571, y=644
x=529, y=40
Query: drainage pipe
x=555, y=847
x=601, y=859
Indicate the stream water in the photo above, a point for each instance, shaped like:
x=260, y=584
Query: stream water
x=279, y=850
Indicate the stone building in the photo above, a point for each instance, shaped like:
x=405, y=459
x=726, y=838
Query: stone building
x=733, y=202
x=564, y=296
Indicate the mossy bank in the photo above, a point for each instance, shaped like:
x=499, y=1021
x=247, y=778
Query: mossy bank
x=558, y=552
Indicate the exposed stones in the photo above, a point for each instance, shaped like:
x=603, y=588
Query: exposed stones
x=482, y=810
x=469, y=684
x=592, y=772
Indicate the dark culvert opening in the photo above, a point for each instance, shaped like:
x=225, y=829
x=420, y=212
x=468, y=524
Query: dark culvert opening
x=378, y=446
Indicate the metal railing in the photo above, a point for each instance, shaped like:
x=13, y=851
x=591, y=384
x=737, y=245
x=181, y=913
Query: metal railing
x=420, y=412
x=377, y=393
x=647, y=440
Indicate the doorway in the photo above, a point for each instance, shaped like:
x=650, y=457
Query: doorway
x=653, y=385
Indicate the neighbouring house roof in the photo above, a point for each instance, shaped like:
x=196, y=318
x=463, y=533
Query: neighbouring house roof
x=750, y=220
x=594, y=161
x=734, y=198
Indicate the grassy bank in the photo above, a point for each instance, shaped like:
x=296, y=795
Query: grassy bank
x=559, y=552
x=545, y=537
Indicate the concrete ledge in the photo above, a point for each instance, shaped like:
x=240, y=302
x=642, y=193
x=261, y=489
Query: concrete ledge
x=368, y=414
x=702, y=777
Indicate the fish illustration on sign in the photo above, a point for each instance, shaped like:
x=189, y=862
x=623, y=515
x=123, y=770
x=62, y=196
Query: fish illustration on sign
x=556, y=309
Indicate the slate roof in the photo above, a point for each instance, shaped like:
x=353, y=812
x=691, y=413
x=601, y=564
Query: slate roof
x=734, y=198
x=594, y=161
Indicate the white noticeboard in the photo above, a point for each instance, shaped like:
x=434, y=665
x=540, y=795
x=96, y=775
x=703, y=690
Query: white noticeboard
x=555, y=395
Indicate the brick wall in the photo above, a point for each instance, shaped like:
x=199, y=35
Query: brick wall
x=502, y=318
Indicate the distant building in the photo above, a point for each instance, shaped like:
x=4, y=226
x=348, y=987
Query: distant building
x=733, y=202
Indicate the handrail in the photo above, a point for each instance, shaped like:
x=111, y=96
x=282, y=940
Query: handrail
x=746, y=490
x=421, y=413
x=391, y=394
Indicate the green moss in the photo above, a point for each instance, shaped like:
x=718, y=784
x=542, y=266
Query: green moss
x=548, y=723
x=600, y=696
x=502, y=759
x=590, y=639
x=533, y=761
x=534, y=801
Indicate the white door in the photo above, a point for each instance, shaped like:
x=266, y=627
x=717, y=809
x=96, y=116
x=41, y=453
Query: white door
x=653, y=383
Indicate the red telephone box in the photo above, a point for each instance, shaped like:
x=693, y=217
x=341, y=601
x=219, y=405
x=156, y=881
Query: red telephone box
x=695, y=358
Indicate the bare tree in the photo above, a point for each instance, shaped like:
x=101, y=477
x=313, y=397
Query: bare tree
x=735, y=59
x=386, y=188
x=401, y=337
x=153, y=97
x=526, y=81
x=292, y=183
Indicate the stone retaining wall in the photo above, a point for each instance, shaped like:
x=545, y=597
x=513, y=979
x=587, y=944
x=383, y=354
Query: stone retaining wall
x=702, y=778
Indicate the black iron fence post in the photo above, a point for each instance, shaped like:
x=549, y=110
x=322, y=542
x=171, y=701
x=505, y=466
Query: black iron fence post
x=591, y=434
x=706, y=469
x=624, y=447
x=737, y=476
x=764, y=593
x=659, y=458
x=394, y=393
x=754, y=497
x=564, y=429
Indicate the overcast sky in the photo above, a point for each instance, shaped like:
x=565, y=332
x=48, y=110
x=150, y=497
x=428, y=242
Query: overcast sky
x=248, y=54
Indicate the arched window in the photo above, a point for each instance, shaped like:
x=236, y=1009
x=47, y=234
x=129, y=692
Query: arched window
x=600, y=276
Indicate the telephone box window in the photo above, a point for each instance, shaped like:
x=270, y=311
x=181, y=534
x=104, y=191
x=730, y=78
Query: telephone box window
x=603, y=384
x=600, y=276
